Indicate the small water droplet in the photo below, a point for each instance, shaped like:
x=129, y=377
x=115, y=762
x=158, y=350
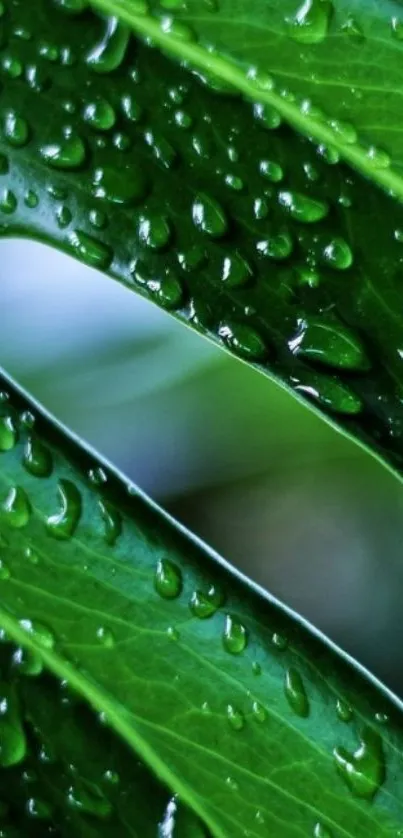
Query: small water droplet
x=280, y=641
x=112, y=521
x=8, y=201
x=378, y=158
x=364, y=770
x=235, y=271
x=5, y=572
x=345, y=131
x=278, y=246
x=13, y=745
x=106, y=637
x=90, y=250
x=204, y=605
x=100, y=114
x=131, y=109
x=62, y=525
x=397, y=28
x=310, y=23
x=42, y=635
x=244, y=340
x=27, y=662
x=267, y=116
x=259, y=712
x=235, y=635
x=235, y=717
x=271, y=170
x=87, y=798
x=295, y=693
x=162, y=149
x=343, y=710
x=126, y=184
x=168, y=579
x=31, y=199
x=154, y=231
x=15, y=129
x=209, y=217
x=8, y=433
x=302, y=208
x=321, y=831
x=16, y=508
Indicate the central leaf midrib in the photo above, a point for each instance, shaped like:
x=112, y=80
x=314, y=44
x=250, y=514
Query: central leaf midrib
x=198, y=57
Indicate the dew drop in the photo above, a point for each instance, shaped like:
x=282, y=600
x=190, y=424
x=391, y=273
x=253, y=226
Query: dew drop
x=397, y=28
x=99, y=114
x=303, y=209
x=328, y=343
x=126, y=184
x=16, y=508
x=204, y=605
x=108, y=54
x=192, y=259
x=235, y=717
x=343, y=710
x=235, y=636
x=259, y=712
x=63, y=217
x=243, y=340
x=8, y=201
x=12, y=66
x=328, y=392
x=235, y=271
x=378, y=158
x=42, y=635
x=62, y=525
x=167, y=291
x=154, y=231
x=162, y=149
x=36, y=458
x=267, y=116
x=112, y=521
x=271, y=171
x=344, y=130
x=66, y=152
x=183, y=120
x=310, y=23
x=15, y=129
x=364, y=770
x=209, y=217
x=338, y=255
x=105, y=637
x=280, y=641
x=31, y=199
x=321, y=831
x=278, y=247
x=38, y=809
x=27, y=662
x=98, y=219
x=131, y=109
x=88, y=799
x=295, y=693
x=168, y=579
x=8, y=433
x=90, y=250
x=13, y=745
x=5, y=572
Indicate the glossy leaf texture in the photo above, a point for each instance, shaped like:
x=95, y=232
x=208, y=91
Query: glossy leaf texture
x=211, y=206
x=238, y=707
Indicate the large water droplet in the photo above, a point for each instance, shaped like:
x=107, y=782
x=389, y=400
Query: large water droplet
x=8, y=433
x=295, y=693
x=120, y=185
x=15, y=129
x=37, y=459
x=90, y=250
x=329, y=343
x=66, y=152
x=62, y=525
x=154, y=231
x=329, y=393
x=16, y=508
x=364, y=770
x=209, y=217
x=108, y=54
x=244, y=340
x=235, y=270
x=302, y=208
x=168, y=579
x=204, y=605
x=310, y=23
x=235, y=717
x=13, y=744
x=235, y=635
x=338, y=255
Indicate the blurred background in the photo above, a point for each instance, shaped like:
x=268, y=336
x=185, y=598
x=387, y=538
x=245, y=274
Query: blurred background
x=280, y=494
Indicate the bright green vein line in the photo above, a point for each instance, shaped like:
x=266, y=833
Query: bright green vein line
x=228, y=72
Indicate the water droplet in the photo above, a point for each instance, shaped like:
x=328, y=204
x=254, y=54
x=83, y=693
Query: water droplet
x=125, y=184
x=295, y=693
x=106, y=637
x=235, y=635
x=278, y=247
x=15, y=129
x=4, y=571
x=310, y=23
x=37, y=459
x=204, y=605
x=303, y=209
x=256, y=668
x=321, y=831
x=329, y=343
x=90, y=250
x=267, y=116
x=235, y=717
x=352, y=29
x=66, y=152
x=378, y=158
x=192, y=259
x=12, y=66
x=98, y=219
x=329, y=393
x=8, y=201
x=168, y=579
x=62, y=525
x=13, y=745
x=88, y=799
x=338, y=255
x=343, y=710
x=63, y=217
x=260, y=208
x=112, y=521
x=154, y=231
x=131, y=109
x=363, y=771
x=42, y=635
x=99, y=114
x=183, y=120
x=259, y=712
x=176, y=29
x=38, y=809
x=167, y=290
x=97, y=476
x=108, y=54
x=16, y=508
x=280, y=641
x=397, y=28
x=270, y=170
x=31, y=199
x=235, y=271
x=209, y=217
x=344, y=130
x=162, y=149
x=244, y=340
x=8, y=433
x=27, y=662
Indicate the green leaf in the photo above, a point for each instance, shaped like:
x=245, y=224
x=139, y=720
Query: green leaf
x=256, y=721
x=208, y=205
